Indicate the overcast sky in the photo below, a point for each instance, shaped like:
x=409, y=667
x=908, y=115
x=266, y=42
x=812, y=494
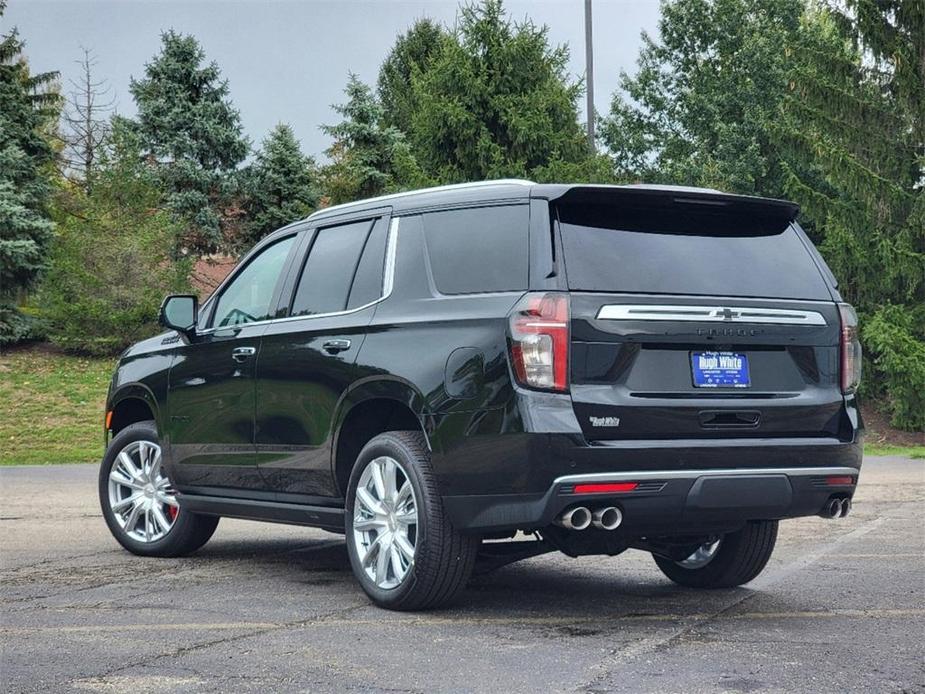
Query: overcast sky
x=288, y=61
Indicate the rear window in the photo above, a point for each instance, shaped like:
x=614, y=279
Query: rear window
x=687, y=251
x=477, y=250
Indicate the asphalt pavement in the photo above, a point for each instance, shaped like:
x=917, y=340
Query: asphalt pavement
x=262, y=608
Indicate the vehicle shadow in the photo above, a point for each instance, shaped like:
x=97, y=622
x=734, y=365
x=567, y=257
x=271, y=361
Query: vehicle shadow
x=548, y=587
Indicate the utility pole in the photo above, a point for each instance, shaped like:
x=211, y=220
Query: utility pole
x=589, y=73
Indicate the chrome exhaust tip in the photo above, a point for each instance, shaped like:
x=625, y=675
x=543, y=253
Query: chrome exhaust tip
x=845, y=508
x=833, y=509
x=607, y=518
x=578, y=518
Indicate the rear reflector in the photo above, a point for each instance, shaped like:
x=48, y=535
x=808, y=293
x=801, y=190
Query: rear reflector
x=606, y=488
x=835, y=481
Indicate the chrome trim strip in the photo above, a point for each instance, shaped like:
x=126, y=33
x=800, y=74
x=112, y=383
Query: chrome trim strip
x=694, y=474
x=709, y=314
x=390, y=253
x=435, y=189
x=388, y=281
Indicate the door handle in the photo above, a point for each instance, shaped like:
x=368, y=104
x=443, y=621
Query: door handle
x=335, y=346
x=240, y=354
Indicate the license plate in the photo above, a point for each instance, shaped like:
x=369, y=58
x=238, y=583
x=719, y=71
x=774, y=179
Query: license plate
x=719, y=370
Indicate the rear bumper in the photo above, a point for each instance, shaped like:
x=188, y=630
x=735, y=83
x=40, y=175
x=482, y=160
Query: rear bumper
x=665, y=502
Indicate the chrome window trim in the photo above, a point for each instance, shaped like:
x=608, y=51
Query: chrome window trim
x=694, y=474
x=388, y=281
x=709, y=314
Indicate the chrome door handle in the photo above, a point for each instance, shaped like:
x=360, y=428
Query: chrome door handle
x=240, y=354
x=335, y=346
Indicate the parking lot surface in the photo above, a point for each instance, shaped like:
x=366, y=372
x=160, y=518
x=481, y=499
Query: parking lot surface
x=841, y=607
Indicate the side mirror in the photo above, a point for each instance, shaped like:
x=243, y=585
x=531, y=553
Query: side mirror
x=178, y=312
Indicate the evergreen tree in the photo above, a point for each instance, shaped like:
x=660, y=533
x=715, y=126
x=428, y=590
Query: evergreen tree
x=856, y=107
x=701, y=106
x=28, y=105
x=192, y=133
x=495, y=101
x=367, y=157
x=281, y=186
x=410, y=57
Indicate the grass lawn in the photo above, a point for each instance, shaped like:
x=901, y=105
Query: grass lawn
x=51, y=407
x=51, y=410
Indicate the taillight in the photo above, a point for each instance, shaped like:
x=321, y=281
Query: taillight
x=850, y=349
x=539, y=327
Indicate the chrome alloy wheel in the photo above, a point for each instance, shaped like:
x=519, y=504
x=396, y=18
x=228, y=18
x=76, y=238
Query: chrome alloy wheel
x=140, y=496
x=385, y=522
x=701, y=556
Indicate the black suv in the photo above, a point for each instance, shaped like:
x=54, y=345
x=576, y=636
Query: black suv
x=444, y=374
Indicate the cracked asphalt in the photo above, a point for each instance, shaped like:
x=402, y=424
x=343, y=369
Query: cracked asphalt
x=841, y=607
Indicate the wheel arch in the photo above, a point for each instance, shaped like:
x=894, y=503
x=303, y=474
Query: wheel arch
x=370, y=408
x=131, y=404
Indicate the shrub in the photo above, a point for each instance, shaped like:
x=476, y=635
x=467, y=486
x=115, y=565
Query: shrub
x=110, y=268
x=894, y=337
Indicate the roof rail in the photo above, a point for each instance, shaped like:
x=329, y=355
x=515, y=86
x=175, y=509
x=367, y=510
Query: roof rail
x=435, y=189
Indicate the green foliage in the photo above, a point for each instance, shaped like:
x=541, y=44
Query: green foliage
x=28, y=104
x=192, y=134
x=280, y=186
x=700, y=109
x=496, y=101
x=410, y=57
x=895, y=338
x=111, y=262
x=368, y=158
x=811, y=102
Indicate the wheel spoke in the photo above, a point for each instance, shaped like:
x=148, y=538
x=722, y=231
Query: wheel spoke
x=161, y=523
x=404, y=546
x=123, y=504
x=382, y=563
x=370, y=503
x=403, y=494
x=132, y=519
x=395, y=557
x=378, y=481
x=389, y=473
x=365, y=525
x=147, y=525
x=168, y=499
x=407, y=517
x=119, y=478
x=155, y=467
x=127, y=464
x=366, y=561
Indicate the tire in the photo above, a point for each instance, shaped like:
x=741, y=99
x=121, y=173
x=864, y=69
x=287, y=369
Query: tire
x=738, y=559
x=442, y=559
x=185, y=531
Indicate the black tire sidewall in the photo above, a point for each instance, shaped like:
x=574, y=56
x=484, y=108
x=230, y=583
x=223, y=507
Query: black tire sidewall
x=393, y=447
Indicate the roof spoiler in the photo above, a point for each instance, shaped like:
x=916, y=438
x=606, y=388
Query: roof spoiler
x=680, y=198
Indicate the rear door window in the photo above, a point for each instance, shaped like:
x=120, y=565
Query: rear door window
x=611, y=248
x=478, y=250
x=329, y=269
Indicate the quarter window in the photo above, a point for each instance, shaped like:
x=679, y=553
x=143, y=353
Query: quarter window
x=478, y=250
x=247, y=298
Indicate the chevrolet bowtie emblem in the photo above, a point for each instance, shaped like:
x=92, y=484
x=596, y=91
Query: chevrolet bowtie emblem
x=725, y=314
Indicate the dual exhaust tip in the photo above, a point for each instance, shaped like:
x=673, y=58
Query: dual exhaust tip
x=582, y=518
x=836, y=508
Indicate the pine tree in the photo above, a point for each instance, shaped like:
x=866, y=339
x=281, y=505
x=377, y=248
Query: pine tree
x=28, y=104
x=191, y=132
x=410, y=57
x=495, y=101
x=281, y=185
x=701, y=106
x=856, y=107
x=367, y=157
